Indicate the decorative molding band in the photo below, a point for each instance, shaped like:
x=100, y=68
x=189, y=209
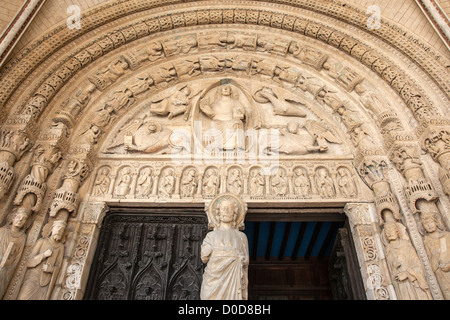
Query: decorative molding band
x=18, y=69
x=17, y=27
x=438, y=19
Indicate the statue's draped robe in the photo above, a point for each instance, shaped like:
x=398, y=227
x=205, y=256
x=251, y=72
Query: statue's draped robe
x=438, y=249
x=38, y=283
x=403, y=258
x=11, y=248
x=226, y=275
x=228, y=124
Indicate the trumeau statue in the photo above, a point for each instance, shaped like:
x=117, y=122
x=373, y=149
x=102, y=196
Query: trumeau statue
x=225, y=250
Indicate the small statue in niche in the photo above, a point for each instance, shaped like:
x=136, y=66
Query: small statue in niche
x=437, y=245
x=234, y=181
x=225, y=250
x=279, y=183
x=188, y=183
x=12, y=243
x=302, y=186
x=44, y=263
x=145, y=183
x=211, y=182
x=101, y=184
x=324, y=183
x=124, y=182
x=166, y=183
x=257, y=183
x=404, y=263
x=345, y=183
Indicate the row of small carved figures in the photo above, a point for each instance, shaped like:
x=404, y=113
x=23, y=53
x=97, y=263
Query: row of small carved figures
x=257, y=184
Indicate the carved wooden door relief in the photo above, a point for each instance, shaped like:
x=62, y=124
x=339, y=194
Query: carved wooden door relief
x=148, y=257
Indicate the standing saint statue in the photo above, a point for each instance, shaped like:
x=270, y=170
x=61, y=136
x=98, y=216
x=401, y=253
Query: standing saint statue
x=404, y=264
x=437, y=245
x=44, y=263
x=225, y=250
x=12, y=243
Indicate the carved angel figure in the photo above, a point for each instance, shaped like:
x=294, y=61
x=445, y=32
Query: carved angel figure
x=281, y=107
x=174, y=103
x=146, y=136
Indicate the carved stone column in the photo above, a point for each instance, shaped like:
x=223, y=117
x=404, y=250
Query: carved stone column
x=85, y=242
x=370, y=252
x=47, y=153
x=65, y=198
x=435, y=139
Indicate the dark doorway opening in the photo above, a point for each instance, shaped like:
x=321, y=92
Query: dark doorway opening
x=293, y=255
x=154, y=254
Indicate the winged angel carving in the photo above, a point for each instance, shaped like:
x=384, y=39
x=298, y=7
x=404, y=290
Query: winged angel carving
x=146, y=135
x=292, y=141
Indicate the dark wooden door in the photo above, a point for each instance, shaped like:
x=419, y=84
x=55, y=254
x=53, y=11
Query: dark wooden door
x=148, y=257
